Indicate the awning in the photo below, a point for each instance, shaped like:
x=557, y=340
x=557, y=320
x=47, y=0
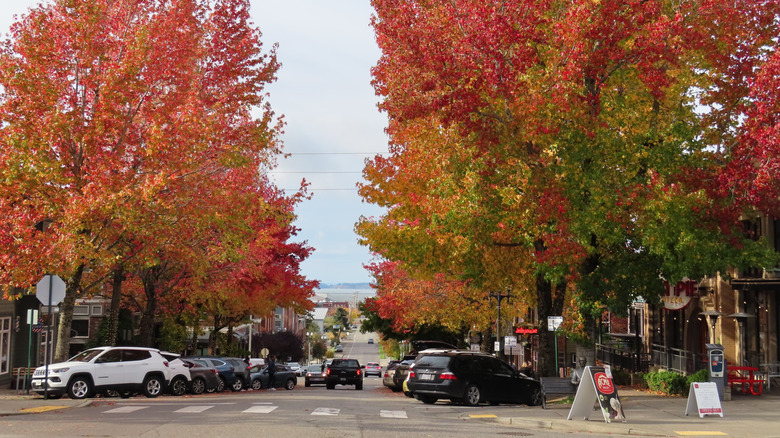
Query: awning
x=755, y=283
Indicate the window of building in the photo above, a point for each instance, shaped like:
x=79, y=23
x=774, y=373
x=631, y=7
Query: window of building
x=5, y=344
x=81, y=310
x=80, y=328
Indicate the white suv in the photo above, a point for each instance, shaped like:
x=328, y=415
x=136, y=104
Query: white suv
x=180, y=378
x=122, y=369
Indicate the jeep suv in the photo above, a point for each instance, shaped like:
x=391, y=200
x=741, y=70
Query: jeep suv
x=122, y=369
x=470, y=377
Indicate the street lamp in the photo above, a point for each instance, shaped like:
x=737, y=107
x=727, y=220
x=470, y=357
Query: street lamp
x=499, y=296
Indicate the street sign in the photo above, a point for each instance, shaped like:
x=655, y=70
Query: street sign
x=50, y=290
x=510, y=341
x=553, y=322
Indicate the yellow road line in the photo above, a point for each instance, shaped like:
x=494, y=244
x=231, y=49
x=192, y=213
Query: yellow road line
x=483, y=416
x=43, y=408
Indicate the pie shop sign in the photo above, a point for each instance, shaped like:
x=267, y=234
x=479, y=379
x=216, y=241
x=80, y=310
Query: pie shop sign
x=680, y=295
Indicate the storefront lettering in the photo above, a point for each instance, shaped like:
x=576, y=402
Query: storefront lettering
x=680, y=295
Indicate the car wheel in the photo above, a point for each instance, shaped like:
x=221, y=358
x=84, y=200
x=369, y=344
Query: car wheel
x=427, y=399
x=198, y=385
x=257, y=384
x=221, y=385
x=237, y=385
x=289, y=385
x=178, y=386
x=536, y=397
x=307, y=384
x=330, y=386
x=471, y=395
x=358, y=386
x=153, y=386
x=79, y=387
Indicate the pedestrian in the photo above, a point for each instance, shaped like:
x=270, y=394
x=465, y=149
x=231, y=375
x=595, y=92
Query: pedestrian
x=272, y=372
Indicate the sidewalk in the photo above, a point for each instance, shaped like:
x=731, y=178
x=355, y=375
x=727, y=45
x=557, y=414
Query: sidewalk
x=650, y=414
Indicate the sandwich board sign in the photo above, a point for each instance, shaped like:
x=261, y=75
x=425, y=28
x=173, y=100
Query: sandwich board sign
x=703, y=398
x=596, y=387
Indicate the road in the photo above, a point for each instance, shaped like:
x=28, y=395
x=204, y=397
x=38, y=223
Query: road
x=342, y=412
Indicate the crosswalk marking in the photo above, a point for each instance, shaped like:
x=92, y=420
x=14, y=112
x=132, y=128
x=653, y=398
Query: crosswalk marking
x=392, y=414
x=326, y=411
x=194, y=409
x=125, y=409
x=261, y=409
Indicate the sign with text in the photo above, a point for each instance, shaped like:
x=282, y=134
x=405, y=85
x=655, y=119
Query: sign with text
x=703, y=398
x=597, y=386
x=553, y=322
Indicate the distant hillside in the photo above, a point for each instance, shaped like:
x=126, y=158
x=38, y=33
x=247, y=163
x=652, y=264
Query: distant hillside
x=346, y=286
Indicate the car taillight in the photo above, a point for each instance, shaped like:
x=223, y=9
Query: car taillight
x=358, y=372
x=214, y=370
x=328, y=371
x=447, y=376
x=411, y=374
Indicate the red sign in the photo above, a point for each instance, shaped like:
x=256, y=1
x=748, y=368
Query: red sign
x=526, y=331
x=604, y=384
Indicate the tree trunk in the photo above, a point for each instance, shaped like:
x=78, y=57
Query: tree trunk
x=116, y=300
x=62, y=349
x=147, y=316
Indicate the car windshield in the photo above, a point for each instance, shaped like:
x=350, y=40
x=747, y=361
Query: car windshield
x=351, y=363
x=315, y=368
x=373, y=364
x=85, y=356
x=293, y=364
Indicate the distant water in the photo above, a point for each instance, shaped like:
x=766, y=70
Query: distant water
x=350, y=295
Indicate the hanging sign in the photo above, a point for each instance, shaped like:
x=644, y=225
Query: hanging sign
x=597, y=386
x=680, y=295
x=703, y=398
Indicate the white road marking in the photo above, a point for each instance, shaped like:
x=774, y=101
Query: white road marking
x=194, y=409
x=326, y=411
x=392, y=414
x=125, y=409
x=260, y=409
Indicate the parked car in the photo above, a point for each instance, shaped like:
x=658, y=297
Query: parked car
x=241, y=369
x=339, y=348
x=122, y=369
x=470, y=378
x=179, y=373
x=387, y=377
x=373, y=368
x=297, y=368
x=225, y=371
x=370, y=340
x=315, y=375
x=285, y=377
x=204, y=378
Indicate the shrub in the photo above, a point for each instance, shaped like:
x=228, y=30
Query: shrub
x=667, y=382
x=621, y=376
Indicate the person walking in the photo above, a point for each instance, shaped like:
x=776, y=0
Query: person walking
x=272, y=372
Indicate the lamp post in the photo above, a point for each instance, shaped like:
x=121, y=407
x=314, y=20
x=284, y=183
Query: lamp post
x=499, y=296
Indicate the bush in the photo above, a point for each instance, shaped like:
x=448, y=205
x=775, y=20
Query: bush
x=667, y=382
x=621, y=377
x=702, y=375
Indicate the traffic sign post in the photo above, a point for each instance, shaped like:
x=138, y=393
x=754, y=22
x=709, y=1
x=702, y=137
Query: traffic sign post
x=49, y=291
x=32, y=318
x=553, y=322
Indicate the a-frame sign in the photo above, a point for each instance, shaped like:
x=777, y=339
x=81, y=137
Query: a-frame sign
x=596, y=387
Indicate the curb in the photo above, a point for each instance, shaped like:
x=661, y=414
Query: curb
x=569, y=426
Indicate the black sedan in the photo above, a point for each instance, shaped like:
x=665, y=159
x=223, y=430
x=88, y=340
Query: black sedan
x=315, y=375
x=284, y=378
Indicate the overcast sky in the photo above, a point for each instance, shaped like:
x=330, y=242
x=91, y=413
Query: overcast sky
x=327, y=49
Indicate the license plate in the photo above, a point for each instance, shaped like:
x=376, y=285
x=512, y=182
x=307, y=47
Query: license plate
x=343, y=379
x=426, y=376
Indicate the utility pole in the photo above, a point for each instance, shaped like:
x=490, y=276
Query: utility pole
x=499, y=296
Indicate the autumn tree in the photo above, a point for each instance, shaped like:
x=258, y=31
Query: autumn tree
x=121, y=121
x=565, y=137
